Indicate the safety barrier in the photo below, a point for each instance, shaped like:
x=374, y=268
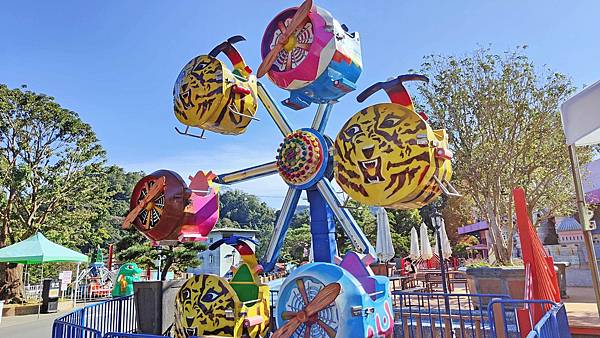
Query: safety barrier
x=421, y=314
x=417, y=314
x=96, y=320
x=508, y=317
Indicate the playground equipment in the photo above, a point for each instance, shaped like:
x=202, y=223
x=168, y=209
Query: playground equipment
x=210, y=305
x=385, y=155
x=128, y=273
x=166, y=210
x=97, y=280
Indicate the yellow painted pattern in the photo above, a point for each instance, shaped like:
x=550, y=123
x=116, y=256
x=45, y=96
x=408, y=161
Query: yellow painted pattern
x=385, y=156
x=205, y=96
x=208, y=305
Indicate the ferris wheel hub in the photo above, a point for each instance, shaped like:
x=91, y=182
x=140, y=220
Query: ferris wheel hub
x=302, y=158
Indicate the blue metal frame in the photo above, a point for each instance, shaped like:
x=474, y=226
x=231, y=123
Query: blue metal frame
x=326, y=206
x=281, y=227
x=554, y=323
x=322, y=228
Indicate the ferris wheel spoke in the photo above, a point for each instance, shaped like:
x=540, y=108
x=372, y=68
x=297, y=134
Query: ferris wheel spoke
x=351, y=228
x=247, y=174
x=277, y=115
x=281, y=226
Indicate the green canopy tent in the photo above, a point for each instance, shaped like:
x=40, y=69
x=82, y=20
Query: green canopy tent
x=37, y=249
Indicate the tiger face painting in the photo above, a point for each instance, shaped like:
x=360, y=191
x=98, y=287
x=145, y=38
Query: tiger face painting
x=208, y=95
x=205, y=305
x=384, y=155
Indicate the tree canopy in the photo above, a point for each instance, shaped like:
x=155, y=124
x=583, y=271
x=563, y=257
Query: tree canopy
x=501, y=114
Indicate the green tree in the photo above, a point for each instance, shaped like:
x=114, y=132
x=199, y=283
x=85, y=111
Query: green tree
x=51, y=174
x=296, y=245
x=120, y=188
x=501, y=114
x=134, y=247
x=300, y=219
x=246, y=211
x=401, y=221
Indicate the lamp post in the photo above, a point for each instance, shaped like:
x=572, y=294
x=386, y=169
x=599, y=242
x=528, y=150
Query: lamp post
x=438, y=223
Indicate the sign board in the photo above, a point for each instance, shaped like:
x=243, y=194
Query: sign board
x=65, y=278
x=581, y=116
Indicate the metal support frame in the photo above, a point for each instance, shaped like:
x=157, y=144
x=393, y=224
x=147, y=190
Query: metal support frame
x=582, y=209
x=247, y=174
x=323, y=201
x=281, y=226
x=322, y=116
x=278, y=117
x=322, y=228
x=354, y=232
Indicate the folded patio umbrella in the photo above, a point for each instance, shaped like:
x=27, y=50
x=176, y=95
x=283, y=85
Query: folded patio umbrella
x=415, y=252
x=446, y=247
x=384, y=247
x=426, y=252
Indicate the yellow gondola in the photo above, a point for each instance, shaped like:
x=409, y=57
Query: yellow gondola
x=209, y=305
x=209, y=96
x=388, y=155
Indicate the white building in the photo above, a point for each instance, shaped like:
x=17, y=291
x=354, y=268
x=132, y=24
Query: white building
x=219, y=261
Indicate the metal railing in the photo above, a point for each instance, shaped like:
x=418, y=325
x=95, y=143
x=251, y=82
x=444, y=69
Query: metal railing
x=423, y=314
x=512, y=317
x=417, y=314
x=96, y=320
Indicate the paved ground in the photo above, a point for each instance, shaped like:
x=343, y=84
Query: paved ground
x=581, y=307
x=28, y=326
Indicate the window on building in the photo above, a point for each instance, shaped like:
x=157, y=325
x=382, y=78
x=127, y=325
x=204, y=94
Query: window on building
x=211, y=259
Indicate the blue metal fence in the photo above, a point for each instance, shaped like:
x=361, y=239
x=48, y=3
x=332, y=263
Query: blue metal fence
x=421, y=314
x=417, y=314
x=505, y=322
x=96, y=320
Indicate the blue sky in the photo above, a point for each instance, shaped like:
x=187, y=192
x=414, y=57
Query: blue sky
x=114, y=62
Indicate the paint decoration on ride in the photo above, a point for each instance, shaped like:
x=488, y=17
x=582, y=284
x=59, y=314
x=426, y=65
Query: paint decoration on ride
x=308, y=52
x=209, y=305
x=167, y=211
x=210, y=96
x=128, y=274
x=362, y=307
x=388, y=155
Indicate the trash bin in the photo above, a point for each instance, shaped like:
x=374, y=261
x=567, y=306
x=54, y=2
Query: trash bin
x=49, y=297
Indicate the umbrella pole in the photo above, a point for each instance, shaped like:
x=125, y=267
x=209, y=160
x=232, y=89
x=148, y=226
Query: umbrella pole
x=41, y=291
x=74, y=291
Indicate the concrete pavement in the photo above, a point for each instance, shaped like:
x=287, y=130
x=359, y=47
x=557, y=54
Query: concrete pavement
x=28, y=326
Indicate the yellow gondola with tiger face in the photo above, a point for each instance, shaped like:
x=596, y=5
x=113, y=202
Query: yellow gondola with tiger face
x=388, y=155
x=209, y=305
x=209, y=96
